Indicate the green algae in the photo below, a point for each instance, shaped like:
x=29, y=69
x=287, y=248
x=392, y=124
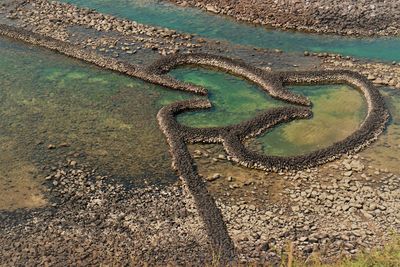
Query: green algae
x=338, y=111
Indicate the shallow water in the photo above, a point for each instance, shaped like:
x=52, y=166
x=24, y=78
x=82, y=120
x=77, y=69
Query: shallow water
x=204, y=24
x=385, y=151
x=338, y=110
x=235, y=100
x=106, y=119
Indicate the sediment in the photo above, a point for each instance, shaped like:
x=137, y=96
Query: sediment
x=367, y=18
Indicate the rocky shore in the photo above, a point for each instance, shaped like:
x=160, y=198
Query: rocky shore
x=55, y=19
x=92, y=220
x=364, y=18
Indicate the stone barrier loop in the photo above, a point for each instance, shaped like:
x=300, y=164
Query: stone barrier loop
x=231, y=137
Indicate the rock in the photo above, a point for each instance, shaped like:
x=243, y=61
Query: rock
x=64, y=145
x=220, y=156
x=265, y=247
x=214, y=177
x=295, y=208
x=303, y=239
x=211, y=8
x=348, y=173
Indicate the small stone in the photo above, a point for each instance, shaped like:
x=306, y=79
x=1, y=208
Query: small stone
x=64, y=145
x=303, y=239
x=220, y=156
x=295, y=208
x=247, y=182
x=348, y=173
x=214, y=177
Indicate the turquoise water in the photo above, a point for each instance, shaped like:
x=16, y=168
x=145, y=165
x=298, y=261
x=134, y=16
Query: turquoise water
x=106, y=120
x=198, y=22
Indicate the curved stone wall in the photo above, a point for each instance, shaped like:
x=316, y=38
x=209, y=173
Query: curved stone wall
x=231, y=137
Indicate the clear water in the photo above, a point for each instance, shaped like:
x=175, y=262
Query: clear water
x=108, y=120
x=204, y=24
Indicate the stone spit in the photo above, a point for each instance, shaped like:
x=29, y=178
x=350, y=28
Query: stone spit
x=346, y=17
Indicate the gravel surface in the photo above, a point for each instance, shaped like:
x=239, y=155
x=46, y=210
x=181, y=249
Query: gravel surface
x=335, y=211
x=92, y=220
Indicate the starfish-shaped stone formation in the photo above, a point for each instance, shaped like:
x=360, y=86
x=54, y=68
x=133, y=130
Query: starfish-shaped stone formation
x=232, y=137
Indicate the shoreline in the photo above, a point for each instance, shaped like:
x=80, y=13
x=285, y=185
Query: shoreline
x=341, y=17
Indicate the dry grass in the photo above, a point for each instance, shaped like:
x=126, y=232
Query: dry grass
x=388, y=256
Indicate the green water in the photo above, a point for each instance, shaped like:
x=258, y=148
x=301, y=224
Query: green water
x=198, y=22
x=337, y=111
x=108, y=120
x=235, y=100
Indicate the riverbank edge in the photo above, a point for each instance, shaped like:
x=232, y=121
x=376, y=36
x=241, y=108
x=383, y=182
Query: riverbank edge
x=219, y=9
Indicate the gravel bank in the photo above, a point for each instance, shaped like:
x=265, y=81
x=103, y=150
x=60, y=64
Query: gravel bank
x=92, y=220
x=347, y=17
x=53, y=19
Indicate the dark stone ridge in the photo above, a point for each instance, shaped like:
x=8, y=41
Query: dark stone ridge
x=232, y=136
